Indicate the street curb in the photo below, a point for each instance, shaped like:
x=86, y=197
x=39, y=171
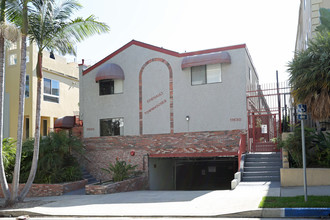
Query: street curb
x=282, y=213
x=258, y=213
x=307, y=212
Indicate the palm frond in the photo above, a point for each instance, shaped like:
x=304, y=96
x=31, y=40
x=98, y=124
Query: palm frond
x=80, y=28
x=310, y=76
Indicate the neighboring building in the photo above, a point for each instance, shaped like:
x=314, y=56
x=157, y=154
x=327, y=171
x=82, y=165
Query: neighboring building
x=178, y=116
x=60, y=90
x=309, y=19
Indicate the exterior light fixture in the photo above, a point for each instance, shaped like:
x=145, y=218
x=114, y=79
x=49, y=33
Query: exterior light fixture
x=187, y=118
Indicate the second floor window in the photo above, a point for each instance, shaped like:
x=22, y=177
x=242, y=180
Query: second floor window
x=12, y=59
x=205, y=74
x=27, y=86
x=51, y=90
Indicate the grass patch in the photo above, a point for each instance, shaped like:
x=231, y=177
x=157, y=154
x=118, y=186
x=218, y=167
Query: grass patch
x=295, y=202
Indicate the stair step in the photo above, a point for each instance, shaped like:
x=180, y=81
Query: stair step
x=88, y=176
x=262, y=159
x=257, y=164
x=261, y=178
x=261, y=168
x=263, y=155
x=262, y=173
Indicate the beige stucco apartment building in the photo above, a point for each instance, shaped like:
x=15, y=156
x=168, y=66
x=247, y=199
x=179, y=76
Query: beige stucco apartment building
x=60, y=90
x=173, y=114
x=309, y=19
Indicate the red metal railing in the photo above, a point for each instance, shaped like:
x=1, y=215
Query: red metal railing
x=242, y=149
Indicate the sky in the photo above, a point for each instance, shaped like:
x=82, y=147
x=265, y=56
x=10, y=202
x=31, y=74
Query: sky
x=267, y=27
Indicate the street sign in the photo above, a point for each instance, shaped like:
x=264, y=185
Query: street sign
x=302, y=108
x=302, y=116
x=302, y=111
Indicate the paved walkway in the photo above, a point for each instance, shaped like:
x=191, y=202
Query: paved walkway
x=244, y=198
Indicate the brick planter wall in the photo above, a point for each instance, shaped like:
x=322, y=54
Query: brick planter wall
x=41, y=190
x=138, y=183
x=101, y=151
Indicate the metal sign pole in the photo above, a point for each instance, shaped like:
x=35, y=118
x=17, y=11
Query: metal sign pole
x=304, y=157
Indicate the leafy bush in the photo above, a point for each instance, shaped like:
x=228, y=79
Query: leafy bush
x=317, y=148
x=320, y=153
x=120, y=170
x=56, y=163
x=8, y=156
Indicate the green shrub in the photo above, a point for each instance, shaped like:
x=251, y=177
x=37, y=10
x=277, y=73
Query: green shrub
x=320, y=153
x=317, y=148
x=8, y=156
x=56, y=164
x=120, y=170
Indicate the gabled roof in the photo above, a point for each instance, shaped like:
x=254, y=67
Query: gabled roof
x=161, y=50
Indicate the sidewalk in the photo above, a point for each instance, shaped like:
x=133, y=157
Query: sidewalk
x=241, y=202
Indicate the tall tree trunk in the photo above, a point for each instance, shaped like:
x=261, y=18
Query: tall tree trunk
x=15, y=188
x=15, y=184
x=34, y=165
x=3, y=180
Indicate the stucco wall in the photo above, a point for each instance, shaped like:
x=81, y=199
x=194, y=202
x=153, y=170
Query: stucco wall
x=58, y=69
x=309, y=19
x=68, y=97
x=315, y=177
x=211, y=107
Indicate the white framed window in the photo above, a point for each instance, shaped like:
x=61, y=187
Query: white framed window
x=250, y=75
x=12, y=59
x=27, y=86
x=13, y=46
x=206, y=74
x=51, y=90
x=111, y=127
x=109, y=87
x=27, y=41
x=27, y=56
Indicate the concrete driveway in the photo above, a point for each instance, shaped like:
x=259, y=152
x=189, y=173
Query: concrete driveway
x=245, y=198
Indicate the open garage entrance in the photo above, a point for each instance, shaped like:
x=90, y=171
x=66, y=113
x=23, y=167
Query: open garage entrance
x=191, y=173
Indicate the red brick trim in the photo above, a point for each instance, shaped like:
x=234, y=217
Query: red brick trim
x=216, y=154
x=170, y=90
x=161, y=50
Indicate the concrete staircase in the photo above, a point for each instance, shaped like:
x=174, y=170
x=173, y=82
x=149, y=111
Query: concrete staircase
x=88, y=176
x=262, y=167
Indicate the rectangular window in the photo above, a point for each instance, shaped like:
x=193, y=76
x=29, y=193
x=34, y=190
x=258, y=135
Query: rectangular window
x=12, y=59
x=27, y=86
x=250, y=75
x=206, y=74
x=27, y=56
x=44, y=128
x=108, y=87
x=213, y=73
x=51, y=90
x=27, y=128
x=198, y=75
x=13, y=46
x=111, y=127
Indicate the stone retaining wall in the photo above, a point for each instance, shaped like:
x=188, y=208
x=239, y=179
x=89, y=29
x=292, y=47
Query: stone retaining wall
x=138, y=183
x=41, y=190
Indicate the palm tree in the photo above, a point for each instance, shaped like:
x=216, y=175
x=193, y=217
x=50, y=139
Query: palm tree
x=8, y=32
x=51, y=28
x=310, y=76
x=18, y=13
